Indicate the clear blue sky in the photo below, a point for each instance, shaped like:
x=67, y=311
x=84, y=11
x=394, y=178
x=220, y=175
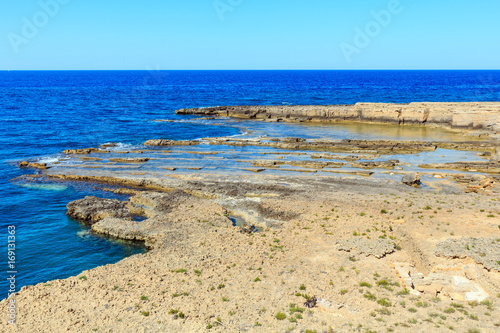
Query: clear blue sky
x=254, y=34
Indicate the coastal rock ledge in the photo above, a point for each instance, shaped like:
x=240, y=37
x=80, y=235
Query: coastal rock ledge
x=473, y=115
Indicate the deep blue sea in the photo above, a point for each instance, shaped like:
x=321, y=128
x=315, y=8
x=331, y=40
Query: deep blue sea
x=44, y=112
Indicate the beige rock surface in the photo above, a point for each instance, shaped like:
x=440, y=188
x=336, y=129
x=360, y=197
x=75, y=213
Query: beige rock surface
x=480, y=115
x=202, y=272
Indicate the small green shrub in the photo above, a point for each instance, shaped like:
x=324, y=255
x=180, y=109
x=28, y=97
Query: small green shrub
x=384, y=302
x=280, y=316
x=370, y=296
x=294, y=309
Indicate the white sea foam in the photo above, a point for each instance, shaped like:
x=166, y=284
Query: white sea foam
x=49, y=159
x=121, y=146
x=237, y=135
x=84, y=233
x=45, y=187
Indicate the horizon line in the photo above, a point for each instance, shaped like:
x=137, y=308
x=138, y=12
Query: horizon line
x=159, y=70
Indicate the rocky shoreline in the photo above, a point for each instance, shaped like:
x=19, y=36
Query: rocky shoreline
x=474, y=116
x=332, y=235
x=368, y=250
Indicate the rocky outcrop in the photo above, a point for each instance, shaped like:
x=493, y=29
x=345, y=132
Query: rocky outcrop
x=377, y=247
x=314, y=164
x=256, y=170
x=458, y=282
x=108, y=145
x=84, y=151
x=266, y=163
x=376, y=164
x=480, y=146
x=161, y=143
x=304, y=164
x=160, y=203
x=125, y=229
x=41, y=166
x=482, y=166
x=343, y=146
x=327, y=156
x=351, y=172
x=85, y=158
x=129, y=160
x=92, y=209
x=411, y=179
x=479, y=183
x=485, y=251
x=481, y=115
x=496, y=156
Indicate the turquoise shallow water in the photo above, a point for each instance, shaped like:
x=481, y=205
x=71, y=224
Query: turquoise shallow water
x=43, y=113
